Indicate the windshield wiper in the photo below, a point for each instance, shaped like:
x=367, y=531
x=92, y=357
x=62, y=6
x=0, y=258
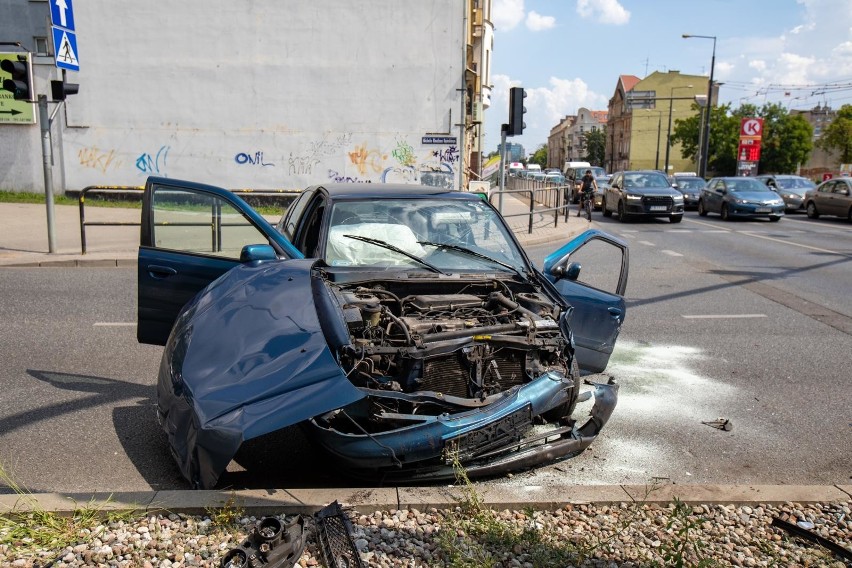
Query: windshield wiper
x=383, y=244
x=473, y=253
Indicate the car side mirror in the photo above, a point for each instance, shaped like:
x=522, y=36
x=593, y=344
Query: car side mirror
x=250, y=253
x=571, y=271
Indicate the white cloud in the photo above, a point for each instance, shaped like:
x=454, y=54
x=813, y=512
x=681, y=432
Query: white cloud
x=562, y=97
x=604, y=11
x=757, y=65
x=536, y=22
x=507, y=14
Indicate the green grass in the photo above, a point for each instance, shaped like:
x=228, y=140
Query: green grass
x=33, y=532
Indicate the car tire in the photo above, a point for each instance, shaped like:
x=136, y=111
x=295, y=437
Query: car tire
x=622, y=214
x=812, y=211
x=566, y=409
x=726, y=216
x=675, y=218
x=606, y=212
x=701, y=210
x=774, y=218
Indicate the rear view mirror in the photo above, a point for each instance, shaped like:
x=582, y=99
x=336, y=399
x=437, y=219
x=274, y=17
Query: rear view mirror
x=250, y=253
x=571, y=270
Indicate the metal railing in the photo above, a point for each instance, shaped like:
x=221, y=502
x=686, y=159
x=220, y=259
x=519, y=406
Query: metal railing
x=541, y=198
x=125, y=190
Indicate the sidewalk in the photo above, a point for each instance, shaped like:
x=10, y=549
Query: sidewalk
x=24, y=238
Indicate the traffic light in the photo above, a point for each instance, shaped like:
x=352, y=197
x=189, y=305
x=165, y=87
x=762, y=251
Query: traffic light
x=61, y=89
x=516, y=111
x=19, y=84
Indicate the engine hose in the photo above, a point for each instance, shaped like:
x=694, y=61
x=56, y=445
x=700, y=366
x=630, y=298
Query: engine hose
x=470, y=332
x=399, y=323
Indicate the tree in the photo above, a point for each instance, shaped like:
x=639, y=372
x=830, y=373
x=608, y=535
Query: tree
x=786, y=140
x=838, y=135
x=539, y=156
x=595, y=144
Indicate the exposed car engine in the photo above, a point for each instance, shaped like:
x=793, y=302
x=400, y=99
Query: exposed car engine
x=429, y=353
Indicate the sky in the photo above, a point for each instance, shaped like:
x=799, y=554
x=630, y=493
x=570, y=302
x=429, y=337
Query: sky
x=568, y=54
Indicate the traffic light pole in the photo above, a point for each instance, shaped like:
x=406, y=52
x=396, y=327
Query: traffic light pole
x=503, y=130
x=47, y=159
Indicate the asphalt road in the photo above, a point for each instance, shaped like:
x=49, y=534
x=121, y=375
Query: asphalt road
x=750, y=321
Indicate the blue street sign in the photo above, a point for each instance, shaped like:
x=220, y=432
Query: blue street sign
x=62, y=14
x=65, y=49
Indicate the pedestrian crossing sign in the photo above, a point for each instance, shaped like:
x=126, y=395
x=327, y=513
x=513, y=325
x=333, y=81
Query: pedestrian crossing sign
x=65, y=49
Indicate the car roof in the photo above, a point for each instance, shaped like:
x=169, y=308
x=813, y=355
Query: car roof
x=389, y=191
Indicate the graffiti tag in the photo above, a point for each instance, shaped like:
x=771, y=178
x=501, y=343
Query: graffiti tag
x=148, y=164
x=256, y=160
x=97, y=159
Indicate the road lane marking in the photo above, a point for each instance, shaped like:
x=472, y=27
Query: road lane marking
x=650, y=244
x=671, y=253
x=114, y=324
x=751, y=234
x=724, y=316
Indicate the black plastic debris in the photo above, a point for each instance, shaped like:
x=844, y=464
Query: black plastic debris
x=720, y=424
x=334, y=533
x=270, y=544
x=835, y=548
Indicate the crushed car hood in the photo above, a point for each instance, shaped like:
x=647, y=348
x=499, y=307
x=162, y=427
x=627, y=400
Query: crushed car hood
x=246, y=357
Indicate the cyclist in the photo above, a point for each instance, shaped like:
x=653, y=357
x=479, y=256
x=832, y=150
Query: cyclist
x=588, y=187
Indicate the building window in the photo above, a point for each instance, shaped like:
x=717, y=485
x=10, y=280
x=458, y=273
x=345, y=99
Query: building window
x=41, y=46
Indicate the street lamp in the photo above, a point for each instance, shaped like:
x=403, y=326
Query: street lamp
x=659, y=130
x=702, y=166
x=669, y=131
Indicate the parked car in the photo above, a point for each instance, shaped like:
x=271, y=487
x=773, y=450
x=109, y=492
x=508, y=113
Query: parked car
x=791, y=189
x=690, y=186
x=401, y=326
x=642, y=193
x=740, y=197
x=831, y=197
x=554, y=178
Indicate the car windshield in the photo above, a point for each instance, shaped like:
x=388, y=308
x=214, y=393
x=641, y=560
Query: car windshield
x=690, y=183
x=794, y=183
x=745, y=184
x=646, y=180
x=410, y=233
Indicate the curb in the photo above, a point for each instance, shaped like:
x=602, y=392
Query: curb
x=307, y=501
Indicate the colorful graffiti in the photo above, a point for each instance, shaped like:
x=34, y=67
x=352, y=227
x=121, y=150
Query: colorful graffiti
x=404, y=153
x=156, y=164
x=449, y=155
x=98, y=159
x=337, y=177
x=364, y=158
x=256, y=160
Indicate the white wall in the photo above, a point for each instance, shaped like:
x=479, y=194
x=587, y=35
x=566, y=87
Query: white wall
x=264, y=93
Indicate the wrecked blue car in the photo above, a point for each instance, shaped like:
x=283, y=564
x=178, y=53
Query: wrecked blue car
x=401, y=326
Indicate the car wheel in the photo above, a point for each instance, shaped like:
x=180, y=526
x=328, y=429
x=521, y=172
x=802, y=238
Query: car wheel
x=622, y=214
x=566, y=409
x=606, y=212
x=701, y=210
x=812, y=211
x=675, y=218
x=774, y=218
x=725, y=215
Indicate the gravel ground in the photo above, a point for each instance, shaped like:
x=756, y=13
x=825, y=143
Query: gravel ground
x=610, y=536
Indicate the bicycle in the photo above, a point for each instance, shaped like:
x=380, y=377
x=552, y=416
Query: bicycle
x=586, y=198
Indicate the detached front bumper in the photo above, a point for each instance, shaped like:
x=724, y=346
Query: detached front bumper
x=534, y=450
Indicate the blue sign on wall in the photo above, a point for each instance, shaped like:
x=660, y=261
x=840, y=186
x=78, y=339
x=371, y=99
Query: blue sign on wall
x=62, y=14
x=65, y=49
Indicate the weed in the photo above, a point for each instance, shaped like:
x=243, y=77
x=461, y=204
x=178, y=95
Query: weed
x=684, y=549
x=34, y=531
x=228, y=515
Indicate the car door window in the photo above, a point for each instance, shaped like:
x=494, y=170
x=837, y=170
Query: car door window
x=602, y=264
x=841, y=187
x=307, y=233
x=287, y=226
x=199, y=222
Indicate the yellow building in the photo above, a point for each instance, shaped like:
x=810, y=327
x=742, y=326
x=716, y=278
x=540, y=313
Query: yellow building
x=642, y=115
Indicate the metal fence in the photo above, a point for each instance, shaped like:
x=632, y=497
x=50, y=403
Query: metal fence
x=536, y=200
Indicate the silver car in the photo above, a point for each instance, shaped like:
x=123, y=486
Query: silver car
x=831, y=197
x=791, y=189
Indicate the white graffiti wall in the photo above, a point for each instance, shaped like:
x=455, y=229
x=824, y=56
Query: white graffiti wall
x=264, y=94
